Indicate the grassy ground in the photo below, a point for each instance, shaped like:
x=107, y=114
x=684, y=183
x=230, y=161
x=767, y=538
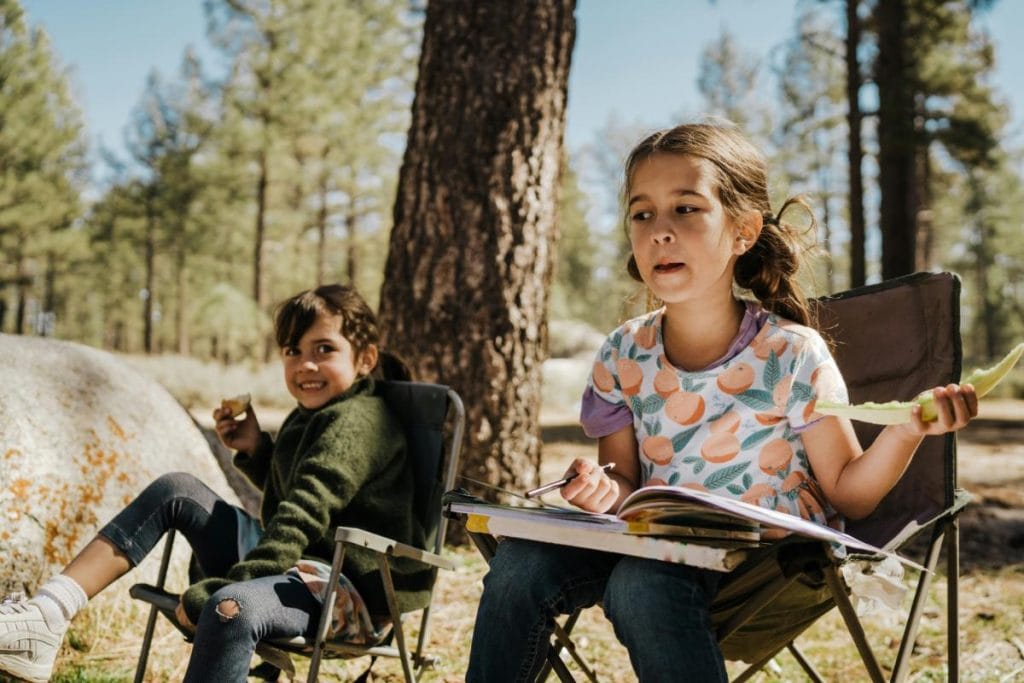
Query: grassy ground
x=102, y=645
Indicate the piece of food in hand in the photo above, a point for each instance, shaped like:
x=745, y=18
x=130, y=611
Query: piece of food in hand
x=900, y=412
x=237, y=404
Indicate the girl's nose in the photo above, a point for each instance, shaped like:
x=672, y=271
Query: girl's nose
x=308, y=365
x=662, y=235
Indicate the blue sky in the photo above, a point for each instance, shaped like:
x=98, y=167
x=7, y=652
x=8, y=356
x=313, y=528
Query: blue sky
x=634, y=60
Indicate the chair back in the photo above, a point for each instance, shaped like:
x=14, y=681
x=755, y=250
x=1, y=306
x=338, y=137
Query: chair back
x=423, y=410
x=892, y=341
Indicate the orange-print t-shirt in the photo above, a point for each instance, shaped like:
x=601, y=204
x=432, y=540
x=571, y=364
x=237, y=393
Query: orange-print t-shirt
x=732, y=429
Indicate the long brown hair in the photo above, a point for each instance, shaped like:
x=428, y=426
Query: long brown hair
x=768, y=269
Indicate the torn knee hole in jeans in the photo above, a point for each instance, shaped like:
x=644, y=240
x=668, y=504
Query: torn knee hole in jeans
x=228, y=609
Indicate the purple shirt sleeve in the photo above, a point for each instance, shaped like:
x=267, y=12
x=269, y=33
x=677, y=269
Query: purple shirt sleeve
x=601, y=418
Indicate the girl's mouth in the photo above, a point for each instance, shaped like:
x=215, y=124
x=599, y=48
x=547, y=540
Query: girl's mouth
x=312, y=386
x=670, y=267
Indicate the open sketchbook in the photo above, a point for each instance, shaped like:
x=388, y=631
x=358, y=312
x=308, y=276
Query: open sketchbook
x=659, y=522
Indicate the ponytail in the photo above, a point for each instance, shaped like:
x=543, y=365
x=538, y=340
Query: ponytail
x=769, y=268
x=391, y=368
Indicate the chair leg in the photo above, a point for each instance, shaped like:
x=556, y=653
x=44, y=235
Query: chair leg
x=953, y=600
x=805, y=663
x=325, y=613
x=396, y=618
x=838, y=590
x=563, y=641
x=900, y=666
x=147, y=638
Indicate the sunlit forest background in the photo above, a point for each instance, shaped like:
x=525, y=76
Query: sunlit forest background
x=244, y=186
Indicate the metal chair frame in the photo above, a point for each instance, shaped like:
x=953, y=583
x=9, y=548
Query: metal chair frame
x=319, y=647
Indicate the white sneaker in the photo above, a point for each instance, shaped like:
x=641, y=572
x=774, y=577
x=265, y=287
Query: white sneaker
x=28, y=646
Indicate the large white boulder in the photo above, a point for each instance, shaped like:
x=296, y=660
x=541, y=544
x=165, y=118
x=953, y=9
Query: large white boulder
x=81, y=434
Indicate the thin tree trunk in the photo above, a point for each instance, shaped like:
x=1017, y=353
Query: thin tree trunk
x=149, y=259
x=22, y=281
x=181, y=317
x=351, y=247
x=321, y=233
x=261, y=226
x=465, y=294
x=855, y=152
x=897, y=170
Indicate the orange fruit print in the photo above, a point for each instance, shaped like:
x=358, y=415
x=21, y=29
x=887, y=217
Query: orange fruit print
x=658, y=449
x=736, y=379
x=603, y=379
x=630, y=376
x=684, y=407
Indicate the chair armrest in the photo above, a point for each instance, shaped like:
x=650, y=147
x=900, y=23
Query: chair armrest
x=161, y=599
x=387, y=546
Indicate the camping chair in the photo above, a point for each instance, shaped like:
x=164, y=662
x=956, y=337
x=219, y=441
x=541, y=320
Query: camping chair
x=892, y=340
x=428, y=412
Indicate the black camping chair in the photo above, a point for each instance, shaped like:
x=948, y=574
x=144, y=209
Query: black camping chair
x=892, y=340
x=434, y=420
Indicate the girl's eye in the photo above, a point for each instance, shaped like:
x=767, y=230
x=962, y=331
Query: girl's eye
x=290, y=351
x=324, y=348
x=640, y=216
x=685, y=210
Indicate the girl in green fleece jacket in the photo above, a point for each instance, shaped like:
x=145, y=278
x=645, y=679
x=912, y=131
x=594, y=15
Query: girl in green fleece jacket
x=339, y=459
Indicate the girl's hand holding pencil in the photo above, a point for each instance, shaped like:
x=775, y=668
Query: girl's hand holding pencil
x=586, y=485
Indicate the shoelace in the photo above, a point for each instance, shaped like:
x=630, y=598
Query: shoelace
x=15, y=603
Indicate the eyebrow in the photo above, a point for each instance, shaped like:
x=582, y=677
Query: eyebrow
x=681, y=192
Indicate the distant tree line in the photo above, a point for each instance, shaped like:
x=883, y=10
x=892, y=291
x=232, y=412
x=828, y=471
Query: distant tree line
x=282, y=171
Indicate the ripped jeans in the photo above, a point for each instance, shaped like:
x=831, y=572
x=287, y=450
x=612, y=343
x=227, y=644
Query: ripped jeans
x=220, y=534
x=660, y=612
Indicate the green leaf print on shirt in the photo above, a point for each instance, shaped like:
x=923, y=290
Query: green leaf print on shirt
x=653, y=404
x=756, y=438
x=799, y=393
x=680, y=440
x=772, y=371
x=758, y=399
x=725, y=476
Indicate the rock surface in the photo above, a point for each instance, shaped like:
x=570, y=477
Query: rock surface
x=81, y=434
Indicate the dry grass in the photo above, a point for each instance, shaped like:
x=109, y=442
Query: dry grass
x=104, y=641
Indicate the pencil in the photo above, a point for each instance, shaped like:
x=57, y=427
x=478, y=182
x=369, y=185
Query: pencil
x=541, y=490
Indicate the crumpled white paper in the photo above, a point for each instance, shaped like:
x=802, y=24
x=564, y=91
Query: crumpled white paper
x=875, y=587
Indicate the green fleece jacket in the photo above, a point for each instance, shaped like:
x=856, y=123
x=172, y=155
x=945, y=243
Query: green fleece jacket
x=344, y=464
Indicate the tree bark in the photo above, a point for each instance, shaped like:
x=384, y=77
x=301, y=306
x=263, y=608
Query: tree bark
x=897, y=142
x=855, y=150
x=465, y=294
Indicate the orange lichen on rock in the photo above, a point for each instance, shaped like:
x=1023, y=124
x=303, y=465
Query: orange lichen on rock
x=20, y=487
x=116, y=429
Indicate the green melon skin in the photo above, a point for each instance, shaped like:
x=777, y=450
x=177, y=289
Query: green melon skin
x=901, y=412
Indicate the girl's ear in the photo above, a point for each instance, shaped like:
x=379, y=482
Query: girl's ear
x=748, y=229
x=367, y=360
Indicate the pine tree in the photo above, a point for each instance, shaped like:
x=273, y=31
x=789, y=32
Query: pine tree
x=42, y=162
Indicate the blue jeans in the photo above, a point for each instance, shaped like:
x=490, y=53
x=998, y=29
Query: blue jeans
x=660, y=612
x=220, y=535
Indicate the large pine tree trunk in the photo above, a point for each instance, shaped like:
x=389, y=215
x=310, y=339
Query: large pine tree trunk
x=897, y=141
x=855, y=151
x=465, y=295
